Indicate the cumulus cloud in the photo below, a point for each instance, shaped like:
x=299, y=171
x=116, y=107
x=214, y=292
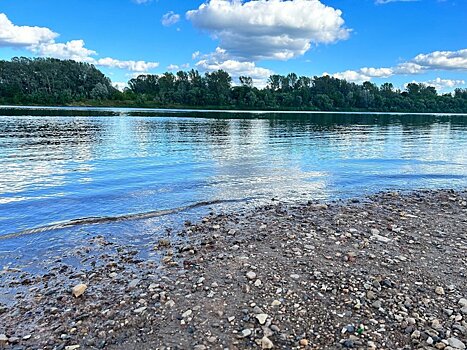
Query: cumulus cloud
x=170, y=18
x=172, y=67
x=350, y=75
x=409, y=68
x=448, y=60
x=134, y=66
x=13, y=35
x=41, y=41
x=73, y=50
x=438, y=60
x=220, y=60
x=440, y=84
x=269, y=29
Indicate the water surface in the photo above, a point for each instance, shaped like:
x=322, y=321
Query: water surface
x=60, y=165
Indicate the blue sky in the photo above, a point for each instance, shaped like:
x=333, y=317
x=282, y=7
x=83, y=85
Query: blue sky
x=377, y=40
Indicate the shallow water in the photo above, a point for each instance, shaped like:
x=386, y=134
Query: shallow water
x=60, y=165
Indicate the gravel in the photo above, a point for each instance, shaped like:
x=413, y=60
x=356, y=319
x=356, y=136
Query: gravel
x=385, y=272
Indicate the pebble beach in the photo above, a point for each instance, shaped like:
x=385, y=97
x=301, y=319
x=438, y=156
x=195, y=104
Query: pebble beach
x=384, y=272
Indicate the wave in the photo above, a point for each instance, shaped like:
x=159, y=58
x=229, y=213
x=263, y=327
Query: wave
x=125, y=217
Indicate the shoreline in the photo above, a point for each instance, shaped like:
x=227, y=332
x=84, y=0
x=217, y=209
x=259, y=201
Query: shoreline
x=387, y=272
x=191, y=109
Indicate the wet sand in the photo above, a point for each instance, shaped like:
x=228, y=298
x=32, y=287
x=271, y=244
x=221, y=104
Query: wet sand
x=386, y=272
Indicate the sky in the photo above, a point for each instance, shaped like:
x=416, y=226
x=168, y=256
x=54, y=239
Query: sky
x=398, y=41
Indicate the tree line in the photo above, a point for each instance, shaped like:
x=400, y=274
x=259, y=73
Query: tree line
x=48, y=81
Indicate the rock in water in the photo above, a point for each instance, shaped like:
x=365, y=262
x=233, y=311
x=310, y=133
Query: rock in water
x=79, y=290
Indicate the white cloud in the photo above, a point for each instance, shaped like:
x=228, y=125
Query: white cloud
x=408, y=68
x=377, y=72
x=41, y=41
x=134, y=66
x=219, y=60
x=269, y=29
x=13, y=35
x=170, y=18
x=438, y=60
x=194, y=55
x=73, y=50
x=172, y=67
x=350, y=75
x=120, y=85
x=441, y=84
x=444, y=60
x=141, y=1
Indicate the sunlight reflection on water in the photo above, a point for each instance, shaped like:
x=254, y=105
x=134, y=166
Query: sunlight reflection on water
x=64, y=167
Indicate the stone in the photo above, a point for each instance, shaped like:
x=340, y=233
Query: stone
x=251, y=275
x=416, y=334
x=140, y=310
x=380, y=238
x=463, y=302
x=304, y=342
x=439, y=290
x=187, y=313
x=456, y=343
x=295, y=276
x=134, y=283
x=261, y=318
x=377, y=304
x=72, y=347
x=276, y=303
x=266, y=343
x=3, y=339
x=163, y=243
x=79, y=290
x=199, y=347
x=212, y=340
x=246, y=333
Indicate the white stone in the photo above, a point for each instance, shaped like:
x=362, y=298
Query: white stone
x=266, y=343
x=187, y=313
x=251, y=275
x=261, y=318
x=79, y=290
x=456, y=343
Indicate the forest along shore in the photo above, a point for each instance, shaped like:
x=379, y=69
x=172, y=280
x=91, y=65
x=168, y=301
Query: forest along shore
x=387, y=272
